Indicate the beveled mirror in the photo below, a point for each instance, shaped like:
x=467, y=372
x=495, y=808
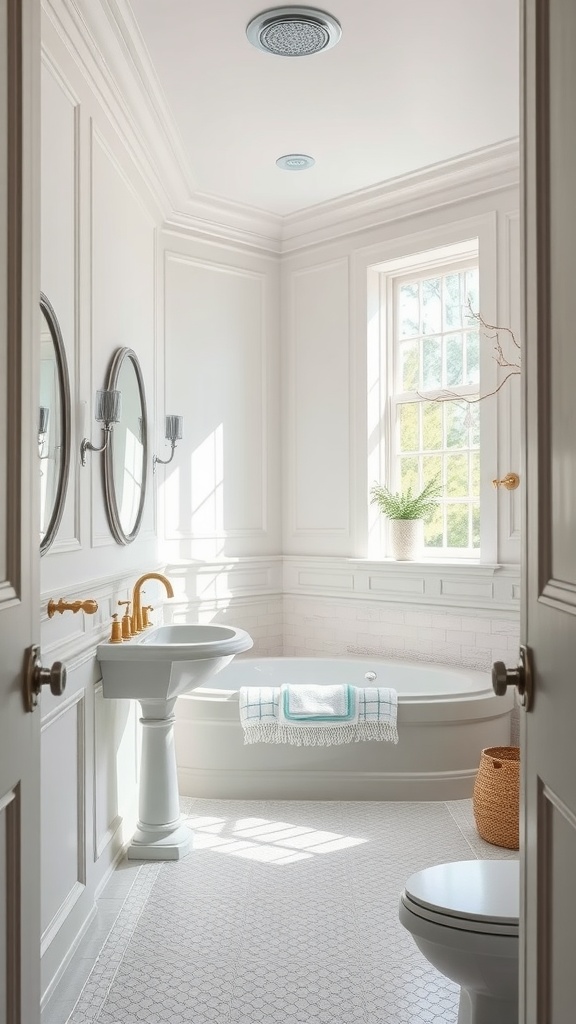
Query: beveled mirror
x=126, y=456
x=53, y=425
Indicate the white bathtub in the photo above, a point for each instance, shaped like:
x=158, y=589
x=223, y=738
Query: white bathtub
x=445, y=717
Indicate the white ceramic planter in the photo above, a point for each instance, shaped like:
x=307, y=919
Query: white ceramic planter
x=405, y=538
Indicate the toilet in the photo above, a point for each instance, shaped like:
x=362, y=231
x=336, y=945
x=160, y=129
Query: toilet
x=463, y=917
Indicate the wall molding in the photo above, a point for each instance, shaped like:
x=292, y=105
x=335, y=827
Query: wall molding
x=75, y=701
x=427, y=585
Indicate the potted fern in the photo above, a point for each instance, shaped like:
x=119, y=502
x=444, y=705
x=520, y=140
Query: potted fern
x=406, y=512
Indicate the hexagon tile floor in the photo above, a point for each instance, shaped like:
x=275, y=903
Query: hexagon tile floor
x=283, y=913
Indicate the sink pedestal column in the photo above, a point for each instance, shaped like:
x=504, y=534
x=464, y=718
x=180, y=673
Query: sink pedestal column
x=159, y=834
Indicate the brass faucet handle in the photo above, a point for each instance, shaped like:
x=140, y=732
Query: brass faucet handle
x=116, y=634
x=146, y=621
x=511, y=481
x=89, y=606
x=127, y=630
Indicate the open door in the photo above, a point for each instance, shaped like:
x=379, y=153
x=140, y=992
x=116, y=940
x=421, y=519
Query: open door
x=548, y=831
x=19, y=535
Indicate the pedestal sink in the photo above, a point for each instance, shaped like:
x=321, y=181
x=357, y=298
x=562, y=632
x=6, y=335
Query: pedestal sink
x=154, y=668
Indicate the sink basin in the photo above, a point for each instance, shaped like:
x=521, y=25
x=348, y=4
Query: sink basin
x=166, y=661
x=154, y=668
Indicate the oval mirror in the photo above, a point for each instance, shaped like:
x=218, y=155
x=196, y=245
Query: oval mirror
x=53, y=425
x=126, y=457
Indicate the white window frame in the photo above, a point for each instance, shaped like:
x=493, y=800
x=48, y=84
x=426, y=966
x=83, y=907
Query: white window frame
x=417, y=265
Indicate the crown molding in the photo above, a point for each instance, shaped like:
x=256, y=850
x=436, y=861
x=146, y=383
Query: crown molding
x=92, y=33
x=211, y=218
x=474, y=174
x=104, y=39
x=465, y=177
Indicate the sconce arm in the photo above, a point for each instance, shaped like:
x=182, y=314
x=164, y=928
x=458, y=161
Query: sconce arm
x=87, y=446
x=164, y=462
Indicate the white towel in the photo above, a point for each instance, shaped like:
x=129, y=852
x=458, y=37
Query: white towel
x=310, y=704
x=373, y=718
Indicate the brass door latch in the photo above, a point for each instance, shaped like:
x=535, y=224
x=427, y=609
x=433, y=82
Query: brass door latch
x=511, y=481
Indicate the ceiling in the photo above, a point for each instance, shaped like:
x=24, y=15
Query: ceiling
x=411, y=83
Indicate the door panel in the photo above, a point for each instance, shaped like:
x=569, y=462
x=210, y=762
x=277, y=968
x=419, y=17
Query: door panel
x=19, y=539
x=548, y=829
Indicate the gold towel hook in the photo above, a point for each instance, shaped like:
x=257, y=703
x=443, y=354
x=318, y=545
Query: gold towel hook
x=90, y=606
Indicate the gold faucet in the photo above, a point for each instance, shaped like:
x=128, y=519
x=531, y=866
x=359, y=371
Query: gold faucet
x=137, y=624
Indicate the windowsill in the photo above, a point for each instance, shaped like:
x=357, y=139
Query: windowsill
x=433, y=565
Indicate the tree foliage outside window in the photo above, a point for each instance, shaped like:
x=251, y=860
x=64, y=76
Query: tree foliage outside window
x=437, y=349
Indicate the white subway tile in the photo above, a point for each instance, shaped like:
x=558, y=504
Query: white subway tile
x=454, y=636
x=418, y=619
x=447, y=621
x=393, y=615
x=483, y=641
x=419, y=647
x=502, y=654
x=505, y=627
x=368, y=613
x=476, y=624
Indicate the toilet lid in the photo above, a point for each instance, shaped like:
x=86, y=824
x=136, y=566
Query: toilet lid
x=486, y=891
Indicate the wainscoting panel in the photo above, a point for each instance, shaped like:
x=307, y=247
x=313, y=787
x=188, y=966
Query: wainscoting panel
x=63, y=845
x=216, y=356
x=115, y=766
x=317, y=432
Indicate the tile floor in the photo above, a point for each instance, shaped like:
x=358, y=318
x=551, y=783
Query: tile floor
x=284, y=912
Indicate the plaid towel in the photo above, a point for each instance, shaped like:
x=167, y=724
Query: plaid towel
x=263, y=721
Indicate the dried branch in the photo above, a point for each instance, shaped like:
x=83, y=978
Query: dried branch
x=492, y=327
x=514, y=366
x=453, y=396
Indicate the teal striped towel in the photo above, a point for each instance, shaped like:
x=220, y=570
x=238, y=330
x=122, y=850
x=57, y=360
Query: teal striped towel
x=309, y=715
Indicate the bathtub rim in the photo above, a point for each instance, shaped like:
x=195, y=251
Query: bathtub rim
x=205, y=704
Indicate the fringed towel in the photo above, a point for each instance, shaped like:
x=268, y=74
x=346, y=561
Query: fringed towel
x=318, y=715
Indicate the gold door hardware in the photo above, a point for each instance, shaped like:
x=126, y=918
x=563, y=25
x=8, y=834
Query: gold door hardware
x=89, y=606
x=35, y=677
x=127, y=631
x=521, y=677
x=511, y=481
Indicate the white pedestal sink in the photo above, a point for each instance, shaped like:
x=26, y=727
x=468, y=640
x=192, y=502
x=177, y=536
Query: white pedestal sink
x=154, y=668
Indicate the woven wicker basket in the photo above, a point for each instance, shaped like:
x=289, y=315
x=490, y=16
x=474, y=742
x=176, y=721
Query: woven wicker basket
x=496, y=796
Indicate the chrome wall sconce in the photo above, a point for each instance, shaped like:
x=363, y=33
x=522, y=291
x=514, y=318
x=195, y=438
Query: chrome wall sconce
x=108, y=409
x=173, y=433
x=43, y=420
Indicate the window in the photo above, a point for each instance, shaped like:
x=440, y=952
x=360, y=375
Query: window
x=429, y=419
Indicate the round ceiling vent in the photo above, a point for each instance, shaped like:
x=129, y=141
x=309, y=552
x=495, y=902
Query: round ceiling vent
x=293, y=31
x=295, y=162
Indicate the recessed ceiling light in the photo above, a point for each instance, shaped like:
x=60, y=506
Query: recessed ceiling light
x=295, y=162
x=293, y=31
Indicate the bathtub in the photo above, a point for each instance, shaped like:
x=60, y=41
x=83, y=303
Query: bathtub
x=445, y=717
